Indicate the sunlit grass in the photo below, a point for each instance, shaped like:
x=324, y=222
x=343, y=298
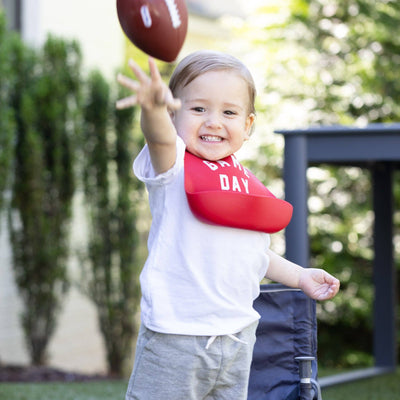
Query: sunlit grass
x=385, y=387
x=109, y=390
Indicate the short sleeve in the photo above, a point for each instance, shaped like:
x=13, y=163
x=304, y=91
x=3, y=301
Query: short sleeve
x=144, y=171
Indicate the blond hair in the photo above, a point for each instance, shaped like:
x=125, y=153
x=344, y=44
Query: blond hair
x=204, y=61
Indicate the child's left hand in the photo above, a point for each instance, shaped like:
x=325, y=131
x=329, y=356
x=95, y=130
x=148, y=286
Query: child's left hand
x=318, y=284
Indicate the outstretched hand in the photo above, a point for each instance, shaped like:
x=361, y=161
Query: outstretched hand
x=150, y=91
x=318, y=284
x=157, y=103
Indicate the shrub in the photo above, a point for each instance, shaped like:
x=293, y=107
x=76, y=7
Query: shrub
x=45, y=99
x=111, y=197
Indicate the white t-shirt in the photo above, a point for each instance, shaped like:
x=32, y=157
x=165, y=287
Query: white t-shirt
x=199, y=279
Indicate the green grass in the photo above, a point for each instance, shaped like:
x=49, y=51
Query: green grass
x=104, y=390
x=385, y=387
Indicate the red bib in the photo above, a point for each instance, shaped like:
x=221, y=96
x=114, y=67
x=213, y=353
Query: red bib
x=225, y=193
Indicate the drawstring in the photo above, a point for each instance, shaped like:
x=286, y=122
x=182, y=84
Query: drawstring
x=211, y=340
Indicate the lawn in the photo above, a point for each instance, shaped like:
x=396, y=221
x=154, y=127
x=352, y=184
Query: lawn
x=386, y=387
x=104, y=390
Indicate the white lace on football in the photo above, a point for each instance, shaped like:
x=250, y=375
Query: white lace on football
x=211, y=340
x=173, y=13
x=146, y=17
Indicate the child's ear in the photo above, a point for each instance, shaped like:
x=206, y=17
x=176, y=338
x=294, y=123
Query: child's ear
x=249, y=124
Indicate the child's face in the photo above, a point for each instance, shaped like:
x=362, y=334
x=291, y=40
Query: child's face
x=214, y=119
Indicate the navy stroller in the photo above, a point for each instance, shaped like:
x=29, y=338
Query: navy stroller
x=284, y=363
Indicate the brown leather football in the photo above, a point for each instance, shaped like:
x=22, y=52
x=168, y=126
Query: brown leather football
x=157, y=27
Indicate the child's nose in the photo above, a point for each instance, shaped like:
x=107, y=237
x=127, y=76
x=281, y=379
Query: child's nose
x=213, y=121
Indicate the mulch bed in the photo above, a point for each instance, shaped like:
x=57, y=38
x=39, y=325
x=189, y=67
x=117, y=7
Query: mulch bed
x=16, y=373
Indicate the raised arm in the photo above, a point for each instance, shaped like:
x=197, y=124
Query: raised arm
x=155, y=100
x=314, y=282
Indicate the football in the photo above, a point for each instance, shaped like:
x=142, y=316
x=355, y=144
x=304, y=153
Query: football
x=157, y=27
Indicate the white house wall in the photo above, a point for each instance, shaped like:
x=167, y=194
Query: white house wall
x=93, y=23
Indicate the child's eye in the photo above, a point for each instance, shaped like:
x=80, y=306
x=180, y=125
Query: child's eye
x=229, y=112
x=198, y=109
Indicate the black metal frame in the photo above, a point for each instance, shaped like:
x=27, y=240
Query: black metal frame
x=376, y=147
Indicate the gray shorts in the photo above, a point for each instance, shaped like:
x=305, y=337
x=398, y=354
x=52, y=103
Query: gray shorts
x=183, y=367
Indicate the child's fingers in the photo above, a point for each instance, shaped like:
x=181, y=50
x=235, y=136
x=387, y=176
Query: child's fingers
x=140, y=74
x=128, y=83
x=126, y=102
x=335, y=287
x=150, y=91
x=154, y=72
x=172, y=103
x=333, y=282
x=164, y=97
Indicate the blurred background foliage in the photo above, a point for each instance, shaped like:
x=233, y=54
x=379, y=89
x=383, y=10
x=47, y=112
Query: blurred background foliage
x=7, y=123
x=62, y=138
x=44, y=97
x=110, y=263
x=333, y=62
x=317, y=62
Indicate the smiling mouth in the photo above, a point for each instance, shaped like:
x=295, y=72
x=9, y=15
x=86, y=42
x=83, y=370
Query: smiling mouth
x=210, y=138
